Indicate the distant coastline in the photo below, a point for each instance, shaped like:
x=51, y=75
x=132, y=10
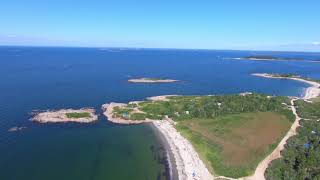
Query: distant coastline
x=273, y=58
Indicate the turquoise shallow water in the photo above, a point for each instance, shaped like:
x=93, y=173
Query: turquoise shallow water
x=54, y=78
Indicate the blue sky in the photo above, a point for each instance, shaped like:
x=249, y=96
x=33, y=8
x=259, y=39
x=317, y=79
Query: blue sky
x=212, y=24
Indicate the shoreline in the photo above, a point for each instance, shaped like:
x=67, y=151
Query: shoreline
x=311, y=92
x=173, y=172
x=187, y=161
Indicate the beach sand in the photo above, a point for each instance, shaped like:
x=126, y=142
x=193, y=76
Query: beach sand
x=188, y=163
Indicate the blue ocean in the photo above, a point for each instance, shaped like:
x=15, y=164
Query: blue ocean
x=41, y=78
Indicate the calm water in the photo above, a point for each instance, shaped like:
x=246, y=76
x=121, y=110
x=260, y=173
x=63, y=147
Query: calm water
x=53, y=78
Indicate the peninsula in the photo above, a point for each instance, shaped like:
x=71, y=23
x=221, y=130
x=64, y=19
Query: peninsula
x=85, y=115
x=212, y=136
x=152, y=80
x=311, y=92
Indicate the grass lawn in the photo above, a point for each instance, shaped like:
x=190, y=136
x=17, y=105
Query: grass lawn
x=234, y=144
x=78, y=115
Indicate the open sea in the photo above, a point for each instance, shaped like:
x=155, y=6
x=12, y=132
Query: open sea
x=40, y=78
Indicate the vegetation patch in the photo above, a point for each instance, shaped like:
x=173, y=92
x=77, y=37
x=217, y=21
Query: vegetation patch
x=77, y=115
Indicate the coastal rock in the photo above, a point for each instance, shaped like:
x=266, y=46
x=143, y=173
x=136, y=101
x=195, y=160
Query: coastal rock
x=16, y=128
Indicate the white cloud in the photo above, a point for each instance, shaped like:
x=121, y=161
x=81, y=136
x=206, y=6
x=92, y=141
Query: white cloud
x=12, y=36
x=316, y=43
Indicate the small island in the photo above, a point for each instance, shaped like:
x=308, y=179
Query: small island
x=85, y=115
x=152, y=80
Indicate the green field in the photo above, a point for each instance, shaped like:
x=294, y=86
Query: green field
x=234, y=144
x=232, y=133
x=76, y=115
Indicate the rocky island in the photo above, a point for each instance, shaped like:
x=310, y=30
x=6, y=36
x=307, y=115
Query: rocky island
x=152, y=80
x=85, y=115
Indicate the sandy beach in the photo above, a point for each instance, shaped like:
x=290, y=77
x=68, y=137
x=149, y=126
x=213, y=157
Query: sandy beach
x=188, y=163
x=311, y=92
x=60, y=116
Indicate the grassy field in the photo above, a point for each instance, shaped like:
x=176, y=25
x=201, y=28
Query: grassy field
x=233, y=145
x=232, y=133
x=78, y=115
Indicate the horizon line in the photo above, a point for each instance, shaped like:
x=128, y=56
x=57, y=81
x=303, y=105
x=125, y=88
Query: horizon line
x=155, y=48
